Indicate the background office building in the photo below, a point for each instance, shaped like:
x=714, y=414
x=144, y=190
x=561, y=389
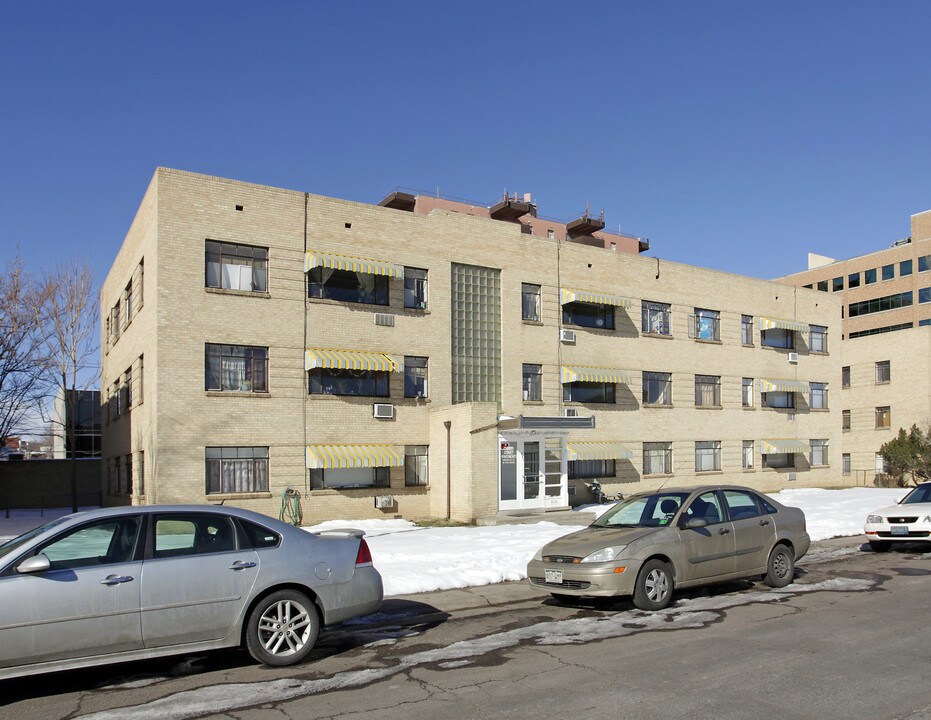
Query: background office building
x=433, y=358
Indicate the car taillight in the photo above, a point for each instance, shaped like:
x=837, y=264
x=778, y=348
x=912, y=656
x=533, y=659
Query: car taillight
x=364, y=556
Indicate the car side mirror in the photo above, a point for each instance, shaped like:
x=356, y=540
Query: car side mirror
x=695, y=523
x=35, y=564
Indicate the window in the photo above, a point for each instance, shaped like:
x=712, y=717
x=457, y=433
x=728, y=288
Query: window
x=104, y=542
x=378, y=477
x=336, y=381
x=236, y=469
x=588, y=315
x=746, y=393
x=888, y=272
x=883, y=417
x=705, y=506
x=657, y=458
x=837, y=284
x=746, y=457
x=905, y=268
x=845, y=376
x=883, y=372
x=880, y=304
x=236, y=267
x=822, y=285
x=741, y=505
x=845, y=463
x=179, y=535
x=818, y=396
x=236, y=368
x=818, y=339
x=533, y=382
x=778, y=399
x=416, y=465
x=779, y=460
x=845, y=420
x=880, y=330
x=126, y=390
x=348, y=286
x=819, y=452
x=579, y=469
x=588, y=392
x=129, y=474
x=415, y=288
x=707, y=390
x=924, y=323
x=530, y=302
x=657, y=318
x=140, y=485
x=924, y=295
x=869, y=276
x=415, y=376
x=137, y=378
x=853, y=280
x=746, y=329
x=924, y=263
x=706, y=325
x=657, y=388
x=127, y=304
x=707, y=455
x=778, y=338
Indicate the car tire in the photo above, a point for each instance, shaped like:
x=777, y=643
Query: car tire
x=653, y=589
x=880, y=546
x=780, y=569
x=282, y=628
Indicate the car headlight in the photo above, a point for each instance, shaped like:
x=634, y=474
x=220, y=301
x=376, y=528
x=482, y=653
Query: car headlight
x=926, y=519
x=874, y=518
x=606, y=554
x=539, y=555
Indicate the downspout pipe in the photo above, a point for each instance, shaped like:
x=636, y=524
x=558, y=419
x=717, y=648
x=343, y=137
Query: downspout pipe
x=449, y=466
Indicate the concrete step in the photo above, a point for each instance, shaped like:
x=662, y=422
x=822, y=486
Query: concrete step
x=523, y=517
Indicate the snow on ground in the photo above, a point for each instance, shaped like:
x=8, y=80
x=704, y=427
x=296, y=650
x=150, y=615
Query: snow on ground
x=416, y=559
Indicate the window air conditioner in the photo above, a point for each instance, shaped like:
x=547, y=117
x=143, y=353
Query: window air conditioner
x=571, y=412
x=383, y=410
x=384, y=319
x=567, y=336
x=384, y=502
x=793, y=357
x=790, y=476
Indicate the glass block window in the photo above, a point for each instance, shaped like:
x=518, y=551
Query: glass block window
x=476, y=334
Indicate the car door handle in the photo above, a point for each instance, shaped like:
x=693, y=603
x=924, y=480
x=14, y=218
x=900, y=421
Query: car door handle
x=241, y=565
x=764, y=523
x=723, y=531
x=116, y=579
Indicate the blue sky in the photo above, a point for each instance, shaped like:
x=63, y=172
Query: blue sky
x=734, y=135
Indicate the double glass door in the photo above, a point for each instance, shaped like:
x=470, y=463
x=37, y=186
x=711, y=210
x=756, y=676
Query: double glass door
x=533, y=473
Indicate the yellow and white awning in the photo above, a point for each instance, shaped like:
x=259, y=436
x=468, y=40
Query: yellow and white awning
x=571, y=374
x=355, y=264
x=777, y=446
x=353, y=456
x=570, y=295
x=770, y=385
x=348, y=360
x=597, y=451
x=775, y=324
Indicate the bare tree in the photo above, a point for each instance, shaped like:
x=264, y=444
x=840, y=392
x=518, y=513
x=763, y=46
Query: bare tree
x=23, y=358
x=70, y=319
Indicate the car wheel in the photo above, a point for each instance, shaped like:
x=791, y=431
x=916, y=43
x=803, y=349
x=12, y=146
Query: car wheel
x=654, y=586
x=282, y=628
x=880, y=546
x=780, y=570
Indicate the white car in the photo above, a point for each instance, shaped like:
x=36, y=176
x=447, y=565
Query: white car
x=908, y=521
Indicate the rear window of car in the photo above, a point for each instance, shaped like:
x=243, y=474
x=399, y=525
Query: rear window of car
x=767, y=505
x=260, y=537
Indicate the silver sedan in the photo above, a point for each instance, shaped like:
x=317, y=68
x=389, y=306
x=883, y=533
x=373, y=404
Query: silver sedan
x=648, y=544
x=132, y=583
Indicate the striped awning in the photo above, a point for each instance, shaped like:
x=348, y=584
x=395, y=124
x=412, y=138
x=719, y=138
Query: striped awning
x=353, y=456
x=594, y=374
x=597, y=451
x=348, y=360
x=355, y=264
x=569, y=295
x=777, y=446
x=775, y=324
x=770, y=385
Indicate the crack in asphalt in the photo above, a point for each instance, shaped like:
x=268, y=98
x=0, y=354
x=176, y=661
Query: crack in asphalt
x=687, y=613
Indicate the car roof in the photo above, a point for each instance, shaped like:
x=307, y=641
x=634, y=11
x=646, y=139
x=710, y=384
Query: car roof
x=694, y=488
x=121, y=511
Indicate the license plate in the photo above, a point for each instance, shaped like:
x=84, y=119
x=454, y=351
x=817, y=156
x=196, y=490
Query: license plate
x=553, y=576
x=899, y=530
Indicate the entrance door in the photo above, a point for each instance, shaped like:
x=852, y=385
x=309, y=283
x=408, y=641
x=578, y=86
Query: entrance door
x=532, y=473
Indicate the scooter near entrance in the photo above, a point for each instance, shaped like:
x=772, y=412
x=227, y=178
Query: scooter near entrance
x=600, y=497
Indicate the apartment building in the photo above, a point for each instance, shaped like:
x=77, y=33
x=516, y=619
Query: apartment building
x=431, y=358
x=886, y=351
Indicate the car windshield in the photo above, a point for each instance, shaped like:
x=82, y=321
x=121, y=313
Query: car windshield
x=12, y=545
x=921, y=494
x=656, y=510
